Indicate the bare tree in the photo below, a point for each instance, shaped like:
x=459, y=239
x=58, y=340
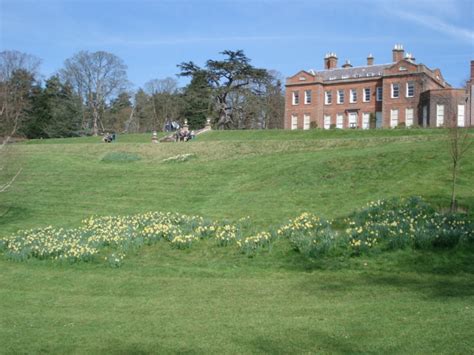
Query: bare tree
x=17, y=74
x=460, y=142
x=164, y=100
x=96, y=77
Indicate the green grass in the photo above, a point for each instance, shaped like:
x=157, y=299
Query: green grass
x=211, y=299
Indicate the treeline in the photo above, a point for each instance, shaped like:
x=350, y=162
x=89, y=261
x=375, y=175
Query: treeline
x=91, y=94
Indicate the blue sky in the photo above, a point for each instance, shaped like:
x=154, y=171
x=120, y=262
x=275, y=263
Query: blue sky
x=152, y=37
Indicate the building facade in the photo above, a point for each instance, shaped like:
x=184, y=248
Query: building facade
x=397, y=94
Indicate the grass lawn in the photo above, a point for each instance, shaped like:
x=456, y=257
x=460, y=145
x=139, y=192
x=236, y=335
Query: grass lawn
x=214, y=300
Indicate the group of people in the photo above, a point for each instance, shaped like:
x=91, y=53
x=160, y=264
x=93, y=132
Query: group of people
x=109, y=137
x=184, y=135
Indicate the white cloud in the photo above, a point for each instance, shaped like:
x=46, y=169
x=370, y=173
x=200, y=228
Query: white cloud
x=437, y=24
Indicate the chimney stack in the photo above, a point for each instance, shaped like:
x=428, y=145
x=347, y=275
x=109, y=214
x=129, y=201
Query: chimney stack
x=410, y=57
x=472, y=70
x=397, y=52
x=330, y=61
x=347, y=64
x=370, y=59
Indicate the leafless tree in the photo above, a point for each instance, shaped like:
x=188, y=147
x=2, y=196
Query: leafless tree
x=96, y=77
x=460, y=141
x=164, y=100
x=17, y=73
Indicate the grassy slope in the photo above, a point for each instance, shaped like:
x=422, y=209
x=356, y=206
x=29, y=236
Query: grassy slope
x=210, y=299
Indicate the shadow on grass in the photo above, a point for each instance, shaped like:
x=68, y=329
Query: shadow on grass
x=435, y=274
x=10, y=214
x=429, y=287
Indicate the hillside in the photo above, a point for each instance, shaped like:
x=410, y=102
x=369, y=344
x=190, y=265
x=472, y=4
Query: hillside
x=268, y=175
x=212, y=298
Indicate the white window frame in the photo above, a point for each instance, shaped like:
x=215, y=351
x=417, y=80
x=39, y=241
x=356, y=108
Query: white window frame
x=340, y=121
x=409, y=115
x=353, y=96
x=366, y=96
x=296, y=98
x=327, y=121
x=439, y=115
x=365, y=120
x=340, y=97
x=379, y=93
x=393, y=118
x=461, y=116
x=307, y=98
x=306, y=121
x=392, y=86
x=410, y=84
x=328, y=97
x=294, y=122
x=349, y=122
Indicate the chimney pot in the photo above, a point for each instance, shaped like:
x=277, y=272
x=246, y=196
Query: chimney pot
x=330, y=61
x=370, y=59
x=347, y=64
x=397, y=52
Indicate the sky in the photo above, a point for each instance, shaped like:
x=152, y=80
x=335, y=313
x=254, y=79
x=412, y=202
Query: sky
x=152, y=37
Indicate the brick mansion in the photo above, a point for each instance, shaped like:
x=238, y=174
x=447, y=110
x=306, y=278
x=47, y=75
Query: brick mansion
x=398, y=94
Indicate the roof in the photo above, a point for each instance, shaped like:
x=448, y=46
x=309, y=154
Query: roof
x=368, y=71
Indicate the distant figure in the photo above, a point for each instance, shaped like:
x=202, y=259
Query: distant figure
x=109, y=137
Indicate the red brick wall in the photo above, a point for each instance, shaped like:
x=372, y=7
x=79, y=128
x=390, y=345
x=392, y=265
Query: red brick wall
x=401, y=73
x=362, y=107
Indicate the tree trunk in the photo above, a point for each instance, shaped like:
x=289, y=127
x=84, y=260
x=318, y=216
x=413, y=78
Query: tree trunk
x=454, y=206
x=95, y=128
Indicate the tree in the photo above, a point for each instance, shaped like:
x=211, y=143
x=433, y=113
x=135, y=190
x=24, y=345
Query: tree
x=226, y=77
x=118, y=113
x=17, y=75
x=458, y=138
x=197, y=97
x=165, y=101
x=96, y=77
x=56, y=111
x=459, y=144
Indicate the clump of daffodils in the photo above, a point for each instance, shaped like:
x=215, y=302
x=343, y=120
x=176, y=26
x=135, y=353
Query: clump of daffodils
x=251, y=245
x=183, y=241
x=402, y=223
x=226, y=234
